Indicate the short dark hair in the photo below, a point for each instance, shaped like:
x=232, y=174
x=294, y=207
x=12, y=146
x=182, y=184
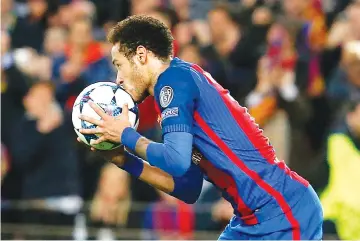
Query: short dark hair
x=142, y=30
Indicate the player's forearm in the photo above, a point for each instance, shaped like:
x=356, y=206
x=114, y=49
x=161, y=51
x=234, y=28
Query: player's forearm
x=135, y=142
x=173, y=156
x=141, y=146
x=157, y=178
x=142, y=170
x=186, y=188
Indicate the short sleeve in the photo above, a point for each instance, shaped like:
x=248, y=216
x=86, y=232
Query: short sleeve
x=176, y=95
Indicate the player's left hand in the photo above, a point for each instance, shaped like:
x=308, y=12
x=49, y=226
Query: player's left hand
x=109, y=128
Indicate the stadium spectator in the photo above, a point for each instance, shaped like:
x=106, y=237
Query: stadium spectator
x=29, y=30
x=340, y=200
x=344, y=85
x=82, y=63
x=50, y=175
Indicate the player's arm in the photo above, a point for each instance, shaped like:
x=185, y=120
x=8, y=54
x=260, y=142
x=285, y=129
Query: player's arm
x=172, y=156
x=176, y=93
x=186, y=188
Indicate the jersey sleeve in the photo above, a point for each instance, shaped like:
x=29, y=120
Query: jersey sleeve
x=176, y=95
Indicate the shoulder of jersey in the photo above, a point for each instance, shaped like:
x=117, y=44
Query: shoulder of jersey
x=167, y=83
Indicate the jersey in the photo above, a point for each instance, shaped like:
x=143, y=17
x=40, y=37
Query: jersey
x=238, y=158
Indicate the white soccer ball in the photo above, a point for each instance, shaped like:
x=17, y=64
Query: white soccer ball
x=111, y=98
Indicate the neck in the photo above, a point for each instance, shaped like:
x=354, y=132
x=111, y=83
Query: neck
x=156, y=69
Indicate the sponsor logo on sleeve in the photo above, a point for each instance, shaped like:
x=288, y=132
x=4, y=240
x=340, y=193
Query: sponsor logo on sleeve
x=170, y=112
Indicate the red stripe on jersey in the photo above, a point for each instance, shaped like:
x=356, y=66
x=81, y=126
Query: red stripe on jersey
x=253, y=175
x=157, y=108
x=158, y=111
x=227, y=183
x=250, y=128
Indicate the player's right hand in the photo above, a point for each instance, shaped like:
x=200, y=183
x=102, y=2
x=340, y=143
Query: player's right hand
x=115, y=156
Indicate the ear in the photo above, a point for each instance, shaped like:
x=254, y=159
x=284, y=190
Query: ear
x=141, y=54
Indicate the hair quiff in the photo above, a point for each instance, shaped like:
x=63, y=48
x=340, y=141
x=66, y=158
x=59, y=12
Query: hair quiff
x=142, y=30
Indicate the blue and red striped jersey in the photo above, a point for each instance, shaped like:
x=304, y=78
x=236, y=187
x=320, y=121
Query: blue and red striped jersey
x=238, y=158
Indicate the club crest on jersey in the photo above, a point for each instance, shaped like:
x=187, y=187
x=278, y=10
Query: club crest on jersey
x=166, y=96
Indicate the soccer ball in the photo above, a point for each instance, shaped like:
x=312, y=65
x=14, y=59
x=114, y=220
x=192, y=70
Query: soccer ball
x=111, y=98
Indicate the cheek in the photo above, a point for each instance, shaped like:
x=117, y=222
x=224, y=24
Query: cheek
x=133, y=74
x=129, y=82
x=130, y=79
x=137, y=86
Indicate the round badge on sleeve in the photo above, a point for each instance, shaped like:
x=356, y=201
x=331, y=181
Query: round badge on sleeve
x=166, y=96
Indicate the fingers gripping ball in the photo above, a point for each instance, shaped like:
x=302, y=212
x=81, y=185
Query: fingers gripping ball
x=110, y=98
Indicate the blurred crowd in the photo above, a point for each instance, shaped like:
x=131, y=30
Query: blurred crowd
x=295, y=64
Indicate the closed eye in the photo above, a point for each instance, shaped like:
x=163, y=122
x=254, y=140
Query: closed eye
x=116, y=64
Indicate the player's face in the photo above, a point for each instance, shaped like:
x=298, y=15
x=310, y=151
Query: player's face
x=131, y=74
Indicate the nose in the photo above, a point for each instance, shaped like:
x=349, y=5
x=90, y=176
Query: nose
x=119, y=79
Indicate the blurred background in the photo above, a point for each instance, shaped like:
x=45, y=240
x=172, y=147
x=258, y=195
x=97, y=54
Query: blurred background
x=295, y=64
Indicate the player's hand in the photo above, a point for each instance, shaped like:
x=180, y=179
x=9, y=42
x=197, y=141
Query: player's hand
x=115, y=156
x=108, y=127
x=222, y=211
